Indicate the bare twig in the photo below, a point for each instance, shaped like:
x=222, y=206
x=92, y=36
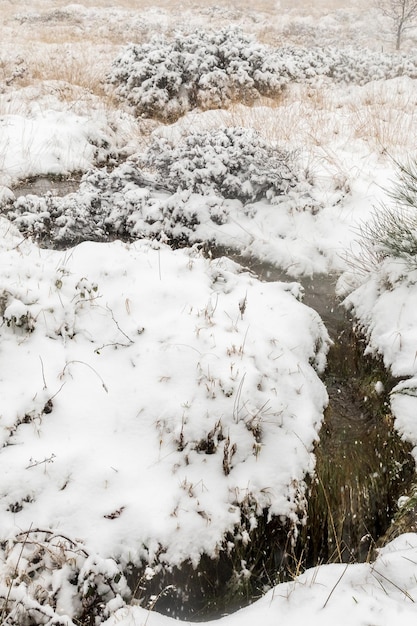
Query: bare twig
x=118, y=327
x=91, y=368
x=335, y=585
x=35, y=463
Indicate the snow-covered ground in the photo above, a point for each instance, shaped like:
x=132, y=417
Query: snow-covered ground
x=156, y=402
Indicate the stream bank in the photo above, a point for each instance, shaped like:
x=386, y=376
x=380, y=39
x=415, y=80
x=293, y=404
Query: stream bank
x=362, y=469
x=362, y=466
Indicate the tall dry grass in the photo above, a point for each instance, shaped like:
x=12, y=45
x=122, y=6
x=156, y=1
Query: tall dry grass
x=51, y=41
x=329, y=123
x=385, y=116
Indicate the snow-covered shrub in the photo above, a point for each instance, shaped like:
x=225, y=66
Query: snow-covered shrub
x=47, y=578
x=165, y=79
x=17, y=315
x=230, y=162
x=71, y=219
x=171, y=192
x=342, y=65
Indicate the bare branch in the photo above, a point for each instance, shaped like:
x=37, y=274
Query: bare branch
x=402, y=13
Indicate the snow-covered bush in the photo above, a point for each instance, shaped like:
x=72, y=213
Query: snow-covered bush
x=229, y=162
x=180, y=192
x=53, y=580
x=345, y=65
x=70, y=219
x=165, y=79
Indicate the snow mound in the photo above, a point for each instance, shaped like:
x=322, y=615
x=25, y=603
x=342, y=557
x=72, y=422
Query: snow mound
x=57, y=142
x=152, y=402
x=384, y=305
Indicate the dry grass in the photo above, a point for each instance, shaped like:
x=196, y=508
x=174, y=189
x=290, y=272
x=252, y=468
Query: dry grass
x=76, y=48
x=385, y=116
x=271, y=20
x=328, y=120
x=298, y=6
x=329, y=125
x=70, y=63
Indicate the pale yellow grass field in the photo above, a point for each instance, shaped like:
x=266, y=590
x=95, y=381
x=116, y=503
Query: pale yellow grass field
x=330, y=123
x=58, y=21
x=68, y=52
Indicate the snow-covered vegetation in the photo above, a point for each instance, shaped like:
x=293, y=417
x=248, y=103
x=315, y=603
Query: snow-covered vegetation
x=173, y=191
x=160, y=403
x=96, y=326
x=166, y=78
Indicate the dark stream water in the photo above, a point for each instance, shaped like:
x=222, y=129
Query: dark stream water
x=44, y=184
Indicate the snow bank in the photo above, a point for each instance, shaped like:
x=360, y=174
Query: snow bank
x=152, y=400
x=385, y=305
x=384, y=292
x=56, y=129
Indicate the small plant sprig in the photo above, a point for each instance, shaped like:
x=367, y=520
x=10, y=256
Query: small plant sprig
x=35, y=463
x=103, y=384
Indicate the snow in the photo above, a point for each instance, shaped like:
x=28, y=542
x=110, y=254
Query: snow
x=50, y=129
x=133, y=397
x=154, y=400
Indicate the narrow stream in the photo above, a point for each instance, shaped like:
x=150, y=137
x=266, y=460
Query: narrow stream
x=363, y=466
